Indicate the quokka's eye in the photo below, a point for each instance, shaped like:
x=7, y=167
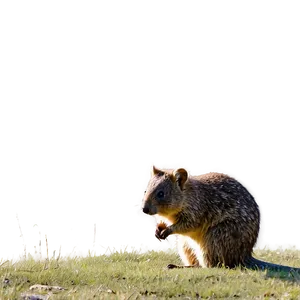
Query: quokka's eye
x=160, y=195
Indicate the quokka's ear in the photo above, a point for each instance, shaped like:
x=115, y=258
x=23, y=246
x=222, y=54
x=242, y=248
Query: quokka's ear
x=156, y=171
x=180, y=176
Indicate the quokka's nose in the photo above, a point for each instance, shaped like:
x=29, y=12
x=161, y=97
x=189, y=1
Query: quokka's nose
x=146, y=209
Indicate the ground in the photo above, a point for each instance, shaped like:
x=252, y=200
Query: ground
x=144, y=275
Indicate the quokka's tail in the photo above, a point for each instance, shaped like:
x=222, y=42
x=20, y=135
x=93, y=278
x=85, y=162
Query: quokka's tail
x=253, y=263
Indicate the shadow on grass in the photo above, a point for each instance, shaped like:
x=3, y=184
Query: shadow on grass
x=291, y=276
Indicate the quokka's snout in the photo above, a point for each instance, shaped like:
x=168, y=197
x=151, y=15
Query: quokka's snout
x=149, y=209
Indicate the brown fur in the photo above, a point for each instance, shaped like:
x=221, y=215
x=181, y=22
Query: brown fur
x=214, y=212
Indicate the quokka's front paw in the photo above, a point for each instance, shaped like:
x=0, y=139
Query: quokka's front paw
x=159, y=228
x=165, y=234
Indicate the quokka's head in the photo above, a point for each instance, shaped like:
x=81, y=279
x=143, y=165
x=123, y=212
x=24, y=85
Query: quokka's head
x=164, y=192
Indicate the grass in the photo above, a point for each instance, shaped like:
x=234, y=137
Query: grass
x=145, y=276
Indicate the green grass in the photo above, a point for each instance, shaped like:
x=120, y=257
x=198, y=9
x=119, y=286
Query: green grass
x=145, y=276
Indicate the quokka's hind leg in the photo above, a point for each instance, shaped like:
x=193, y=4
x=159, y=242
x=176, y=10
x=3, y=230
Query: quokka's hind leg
x=187, y=254
x=171, y=266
